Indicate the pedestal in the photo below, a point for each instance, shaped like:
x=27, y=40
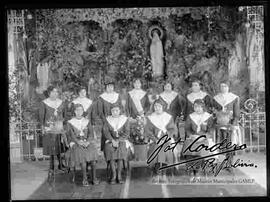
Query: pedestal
x=140, y=152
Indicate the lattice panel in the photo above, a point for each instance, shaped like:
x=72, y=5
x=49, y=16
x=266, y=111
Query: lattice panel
x=16, y=20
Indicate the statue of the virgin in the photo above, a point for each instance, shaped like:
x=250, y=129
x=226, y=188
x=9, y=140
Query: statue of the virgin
x=156, y=51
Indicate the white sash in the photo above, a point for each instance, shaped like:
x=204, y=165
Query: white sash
x=53, y=104
x=224, y=100
x=199, y=119
x=168, y=97
x=136, y=96
x=110, y=97
x=85, y=102
x=193, y=96
x=160, y=121
x=80, y=124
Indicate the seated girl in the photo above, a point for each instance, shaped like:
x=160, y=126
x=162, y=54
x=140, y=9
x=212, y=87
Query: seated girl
x=82, y=144
x=158, y=124
x=115, y=132
x=198, y=123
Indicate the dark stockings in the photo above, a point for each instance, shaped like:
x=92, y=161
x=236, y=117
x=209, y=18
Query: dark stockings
x=52, y=161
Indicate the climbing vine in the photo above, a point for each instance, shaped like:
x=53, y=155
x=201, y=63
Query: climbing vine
x=97, y=43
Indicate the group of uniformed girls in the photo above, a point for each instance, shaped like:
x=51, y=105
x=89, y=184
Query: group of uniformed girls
x=197, y=109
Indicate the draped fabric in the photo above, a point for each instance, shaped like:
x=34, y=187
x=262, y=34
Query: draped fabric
x=43, y=75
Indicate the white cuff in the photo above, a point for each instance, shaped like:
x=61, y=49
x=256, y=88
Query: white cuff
x=47, y=128
x=107, y=141
x=71, y=144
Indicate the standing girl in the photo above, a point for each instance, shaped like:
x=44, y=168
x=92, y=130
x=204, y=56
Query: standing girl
x=175, y=104
x=51, y=116
x=137, y=100
x=104, y=103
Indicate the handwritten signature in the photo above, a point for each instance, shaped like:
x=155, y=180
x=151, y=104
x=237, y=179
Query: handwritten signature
x=203, y=161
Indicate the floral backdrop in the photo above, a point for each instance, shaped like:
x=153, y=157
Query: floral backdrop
x=85, y=46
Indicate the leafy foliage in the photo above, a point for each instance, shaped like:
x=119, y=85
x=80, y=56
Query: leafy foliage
x=94, y=43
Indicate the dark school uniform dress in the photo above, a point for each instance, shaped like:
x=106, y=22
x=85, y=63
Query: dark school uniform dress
x=201, y=95
x=116, y=129
x=227, y=105
x=195, y=126
x=104, y=103
x=156, y=127
x=81, y=130
x=51, y=112
x=137, y=103
x=175, y=104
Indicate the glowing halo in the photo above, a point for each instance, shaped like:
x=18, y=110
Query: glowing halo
x=153, y=28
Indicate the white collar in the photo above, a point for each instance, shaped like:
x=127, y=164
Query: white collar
x=110, y=97
x=199, y=118
x=79, y=124
x=138, y=93
x=116, y=123
x=168, y=97
x=193, y=96
x=53, y=104
x=160, y=121
x=85, y=102
x=224, y=99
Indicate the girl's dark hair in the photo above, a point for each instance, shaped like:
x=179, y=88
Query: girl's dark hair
x=201, y=103
x=77, y=106
x=225, y=81
x=117, y=105
x=135, y=79
x=196, y=80
x=50, y=89
x=159, y=101
x=81, y=88
x=168, y=82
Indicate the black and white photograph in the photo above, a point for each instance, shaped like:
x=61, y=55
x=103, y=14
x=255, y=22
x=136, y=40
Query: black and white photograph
x=136, y=102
